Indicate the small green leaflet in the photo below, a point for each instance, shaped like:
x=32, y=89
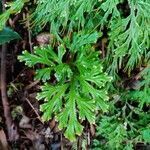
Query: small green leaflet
x=146, y=135
x=7, y=35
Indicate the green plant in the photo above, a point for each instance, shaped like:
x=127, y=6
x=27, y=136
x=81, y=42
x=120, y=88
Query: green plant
x=65, y=14
x=125, y=126
x=128, y=122
x=129, y=35
x=78, y=90
x=129, y=31
x=74, y=83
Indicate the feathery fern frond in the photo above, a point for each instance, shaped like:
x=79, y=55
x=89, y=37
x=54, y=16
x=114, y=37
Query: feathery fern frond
x=78, y=90
x=68, y=14
x=129, y=37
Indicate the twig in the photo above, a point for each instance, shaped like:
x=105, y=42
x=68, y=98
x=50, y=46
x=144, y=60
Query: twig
x=104, y=41
x=38, y=116
x=32, y=85
x=29, y=33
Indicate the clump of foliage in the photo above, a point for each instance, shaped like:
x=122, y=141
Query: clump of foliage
x=129, y=35
x=124, y=126
x=128, y=122
x=129, y=30
x=67, y=13
x=128, y=47
x=77, y=91
x=74, y=84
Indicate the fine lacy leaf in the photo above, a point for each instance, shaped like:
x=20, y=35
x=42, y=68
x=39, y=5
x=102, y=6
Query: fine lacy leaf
x=78, y=89
x=60, y=12
x=146, y=135
x=129, y=37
